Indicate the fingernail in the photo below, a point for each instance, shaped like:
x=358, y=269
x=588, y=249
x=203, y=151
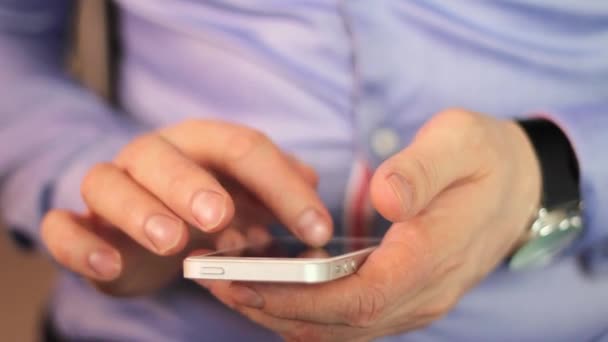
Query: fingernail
x=313, y=228
x=208, y=208
x=105, y=263
x=164, y=232
x=246, y=296
x=402, y=190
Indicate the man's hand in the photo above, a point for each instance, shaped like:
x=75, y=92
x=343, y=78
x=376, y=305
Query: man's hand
x=460, y=197
x=171, y=191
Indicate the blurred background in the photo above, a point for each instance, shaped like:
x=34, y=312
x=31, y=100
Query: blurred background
x=25, y=285
x=27, y=276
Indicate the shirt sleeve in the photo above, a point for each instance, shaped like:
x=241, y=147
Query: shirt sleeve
x=587, y=128
x=51, y=129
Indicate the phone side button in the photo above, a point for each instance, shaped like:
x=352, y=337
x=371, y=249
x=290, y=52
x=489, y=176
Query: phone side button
x=338, y=269
x=212, y=270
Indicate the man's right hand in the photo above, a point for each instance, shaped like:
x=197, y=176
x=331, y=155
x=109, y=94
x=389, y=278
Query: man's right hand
x=197, y=184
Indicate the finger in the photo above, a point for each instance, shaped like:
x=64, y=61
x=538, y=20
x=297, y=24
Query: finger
x=111, y=194
x=221, y=290
x=249, y=209
x=447, y=149
x=143, y=271
x=256, y=163
x=306, y=171
x=305, y=301
x=74, y=246
x=398, y=267
x=183, y=186
x=218, y=288
x=318, y=253
x=231, y=241
x=298, y=330
x=287, y=328
x=257, y=235
x=114, y=262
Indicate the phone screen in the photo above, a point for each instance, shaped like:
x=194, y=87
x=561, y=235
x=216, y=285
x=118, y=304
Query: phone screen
x=293, y=248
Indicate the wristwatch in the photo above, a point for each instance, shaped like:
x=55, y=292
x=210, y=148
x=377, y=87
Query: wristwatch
x=558, y=221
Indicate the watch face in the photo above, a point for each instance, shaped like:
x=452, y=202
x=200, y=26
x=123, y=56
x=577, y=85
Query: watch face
x=541, y=250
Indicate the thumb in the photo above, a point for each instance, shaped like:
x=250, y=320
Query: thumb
x=445, y=151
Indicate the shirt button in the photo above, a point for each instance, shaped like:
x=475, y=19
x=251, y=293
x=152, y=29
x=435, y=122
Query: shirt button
x=385, y=142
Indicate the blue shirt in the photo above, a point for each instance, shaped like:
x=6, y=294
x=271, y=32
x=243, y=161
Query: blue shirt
x=335, y=82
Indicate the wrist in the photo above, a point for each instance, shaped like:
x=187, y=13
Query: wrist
x=528, y=181
x=557, y=219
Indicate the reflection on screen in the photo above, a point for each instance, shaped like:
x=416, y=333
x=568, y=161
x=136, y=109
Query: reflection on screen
x=293, y=248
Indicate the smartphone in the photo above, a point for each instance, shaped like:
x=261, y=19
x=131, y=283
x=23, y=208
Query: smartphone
x=282, y=260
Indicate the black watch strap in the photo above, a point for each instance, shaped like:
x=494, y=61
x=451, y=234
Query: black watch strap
x=559, y=167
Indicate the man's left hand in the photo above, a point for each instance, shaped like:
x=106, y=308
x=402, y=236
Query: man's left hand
x=460, y=198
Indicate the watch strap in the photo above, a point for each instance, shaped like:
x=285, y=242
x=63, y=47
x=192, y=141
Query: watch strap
x=559, y=167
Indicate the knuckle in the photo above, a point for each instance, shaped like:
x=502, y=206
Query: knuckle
x=439, y=307
x=180, y=129
x=469, y=128
x=277, y=196
x=192, y=125
x=454, y=264
x=175, y=184
x=458, y=116
x=93, y=178
x=179, y=179
x=467, y=135
x=47, y=227
x=49, y=220
x=61, y=255
x=53, y=220
x=311, y=176
x=306, y=170
x=445, y=121
x=314, y=178
x=368, y=308
x=426, y=171
x=134, y=220
x=190, y=122
x=243, y=143
x=133, y=152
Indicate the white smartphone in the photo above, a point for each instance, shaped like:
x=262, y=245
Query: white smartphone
x=282, y=260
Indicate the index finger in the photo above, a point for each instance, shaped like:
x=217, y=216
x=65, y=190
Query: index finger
x=395, y=269
x=255, y=162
